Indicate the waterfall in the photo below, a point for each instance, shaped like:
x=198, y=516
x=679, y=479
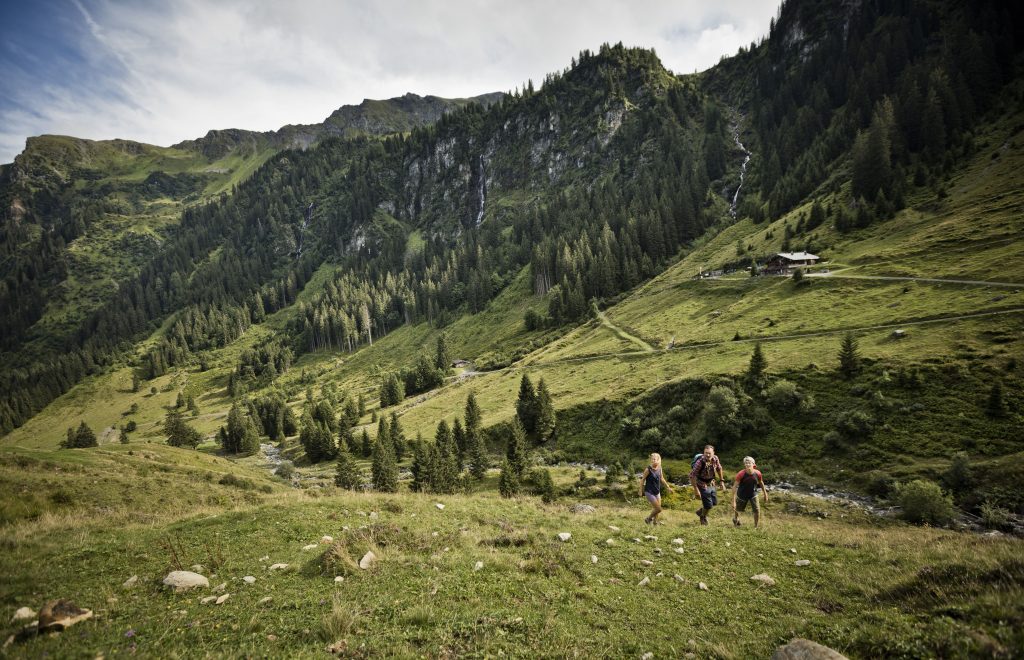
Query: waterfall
x=481, y=193
x=743, y=167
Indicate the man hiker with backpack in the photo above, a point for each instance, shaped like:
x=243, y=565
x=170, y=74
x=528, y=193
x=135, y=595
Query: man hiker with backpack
x=706, y=467
x=748, y=480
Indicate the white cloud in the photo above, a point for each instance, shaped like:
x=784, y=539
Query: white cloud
x=174, y=70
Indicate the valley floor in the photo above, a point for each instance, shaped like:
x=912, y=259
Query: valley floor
x=484, y=576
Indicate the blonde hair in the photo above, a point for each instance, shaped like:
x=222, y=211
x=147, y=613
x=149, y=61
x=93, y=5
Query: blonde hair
x=750, y=459
x=655, y=458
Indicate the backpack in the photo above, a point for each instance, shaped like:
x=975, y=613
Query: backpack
x=696, y=457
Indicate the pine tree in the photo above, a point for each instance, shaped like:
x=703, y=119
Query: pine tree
x=366, y=444
x=398, y=438
x=996, y=406
x=476, y=454
x=515, y=453
x=545, y=413
x=459, y=442
x=545, y=486
x=526, y=405
x=180, y=434
x=420, y=466
x=180, y=401
x=384, y=468
x=849, y=358
x=442, y=356
x=472, y=414
x=444, y=462
x=755, y=375
x=346, y=474
x=384, y=432
x=81, y=438
x=135, y=382
x=346, y=440
x=508, y=480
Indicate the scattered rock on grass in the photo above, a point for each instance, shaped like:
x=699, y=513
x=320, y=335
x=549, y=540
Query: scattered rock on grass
x=311, y=546
x=220, y=587
x=220, y=599
x=265, y=600
x=185, y=580
x=60, y=614
x=579, y=507
x=805, y=649
x=440, y=507
x=702, y=586
x=644, y=582
x=593, y=559
x=367, y=560
x=610, y=542
x=339, y=579
x=278, y=567
x=803, y=562
x=477, y=566
x=248, y=579
x=23, y=614
x=677, y=541
x=564, y=536
x=647, y=656
x=130, y=582
x=678, y=551
x=613, y=528
x=646, y=562
x=325, y=539
x=207, y=600
x=793, y=550
x=650, y=537
x=763, y=578
x=679, y=578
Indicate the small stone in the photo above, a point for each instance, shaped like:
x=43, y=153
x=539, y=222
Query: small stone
x=220, y=587
x=249, y=579
x=678, y=551
x=613, y=528
x=702, y=586
x=593, y=559
x=763, y=578
x=610, y=542
x=265, y=600
x=311, y=546
x=647, y=656
x=130, y=582
x=207, y=600
x=636, y=540
x=220, y=599
x=659, y=574
x=579, y=507
x=57, y=615
x=803, y=562
x=657, y=551
x=185, y=580
x=23, y=614
x=271, y=638
x=367, y=561
x=339, y=579
x=197, y=568
x=278, y=567
x=650, y=538
x=644, y=582
x=440, y=507
x=646, y=562
x=679, y=578
x=793, y=550
x=326, y=539
x=804, y=649
x=677, y=541
x=728, y=545
x=265, y=558
x=374, y=514
x=564, y=536
x=477, y=566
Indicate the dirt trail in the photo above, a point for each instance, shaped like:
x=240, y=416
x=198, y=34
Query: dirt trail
x=622, y=334
x=839, y=275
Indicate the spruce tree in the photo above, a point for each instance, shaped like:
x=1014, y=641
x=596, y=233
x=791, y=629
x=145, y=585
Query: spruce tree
x=81, y=438
x=346, y=440
x=444, y=468
x=849, y=357
x=366, y=444
x=472, y=413
x=346, y=474
x=385, y=470
x=515, y=453
x=996, y=406
x=420, y=466
x=526, y=405
x=545, y=486
x=545, y=413
x=442, y=356
x=755, y=375
x=398, y=438
x=459, y=442
x=476, y=454
x=508, y=480
x=384, y=432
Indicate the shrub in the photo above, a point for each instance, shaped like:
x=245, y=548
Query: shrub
x=783, y=394
x=854, y=425
x=924, y=502
x=286, y=470
x=994, y=516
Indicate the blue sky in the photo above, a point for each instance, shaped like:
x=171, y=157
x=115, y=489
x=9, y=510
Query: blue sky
x=165, y=71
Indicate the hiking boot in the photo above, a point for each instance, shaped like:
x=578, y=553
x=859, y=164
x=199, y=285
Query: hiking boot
x=703, y=520
x=736, y=522
x=648, y=521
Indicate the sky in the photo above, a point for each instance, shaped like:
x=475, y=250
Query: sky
x=162, y=71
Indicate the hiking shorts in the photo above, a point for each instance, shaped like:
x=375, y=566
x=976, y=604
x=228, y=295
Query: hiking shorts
x=652, y=498
x=755, y=504
x=708, y=496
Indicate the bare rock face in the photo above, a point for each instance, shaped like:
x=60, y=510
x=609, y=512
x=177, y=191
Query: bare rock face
x=184, y=580
x=805, y=649
x=60, y=614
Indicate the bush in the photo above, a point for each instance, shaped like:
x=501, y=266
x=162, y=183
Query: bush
x=995, y=517
x=286, y=470
x=924, y=502
x=783, y=394
x=854, y=425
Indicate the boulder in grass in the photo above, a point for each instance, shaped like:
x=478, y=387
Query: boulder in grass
x=184, y=580
x=805, y=649
x=367, y=561
x=644, y=582
x=278, y=567
x=564, y=537
x=60, y=614
x=220, y=600
x=579, y=507
x=764, y=579
x=702, y=586
x=803, y=562
x=23, y=614
x=249, y=579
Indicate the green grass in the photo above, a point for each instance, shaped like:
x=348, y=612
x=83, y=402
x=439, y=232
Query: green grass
x=933, y=592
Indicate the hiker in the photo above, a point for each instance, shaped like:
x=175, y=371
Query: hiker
x=706, y=467
x=650, y=487
x=747, y=482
